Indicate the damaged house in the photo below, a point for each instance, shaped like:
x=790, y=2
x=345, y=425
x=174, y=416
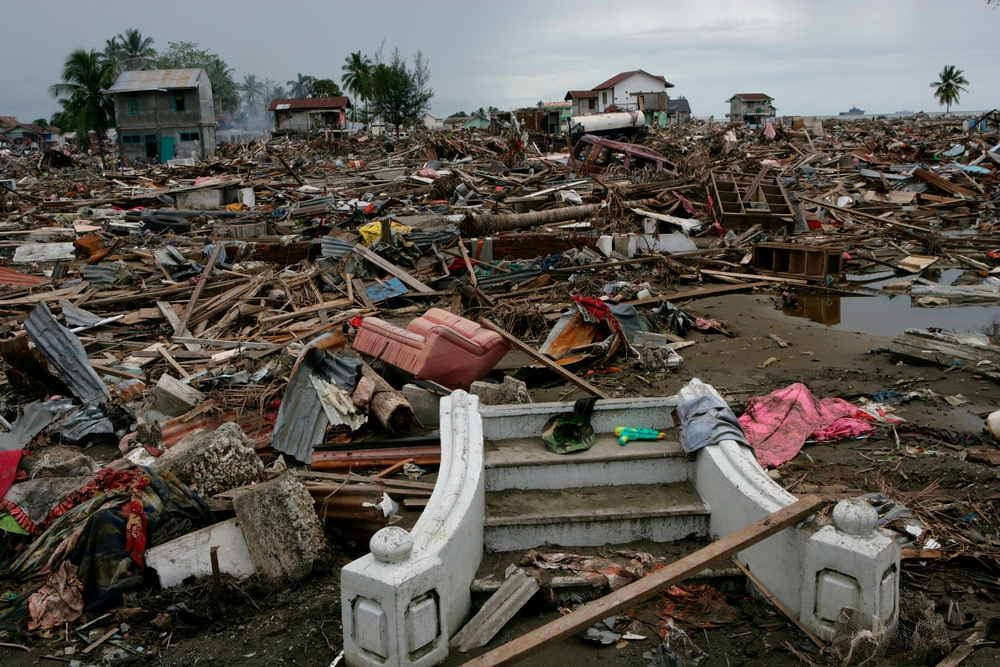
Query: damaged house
x=303, y=115
x=164, y=114
x=625, y=91
x=753, y=108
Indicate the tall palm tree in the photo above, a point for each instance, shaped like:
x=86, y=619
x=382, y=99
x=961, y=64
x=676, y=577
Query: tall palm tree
x=357, y=75
x=112, y=51
x=950, y=86
x=85, y=77
x=299, y=87
x=253, y=90
x=136, y=51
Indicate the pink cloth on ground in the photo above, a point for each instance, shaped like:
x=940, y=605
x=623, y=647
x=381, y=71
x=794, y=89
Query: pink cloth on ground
x=778, y=425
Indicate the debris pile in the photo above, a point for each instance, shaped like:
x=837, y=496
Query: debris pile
x=250, y=351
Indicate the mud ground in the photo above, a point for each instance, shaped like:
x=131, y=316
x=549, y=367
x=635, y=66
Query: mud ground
x=253, y=625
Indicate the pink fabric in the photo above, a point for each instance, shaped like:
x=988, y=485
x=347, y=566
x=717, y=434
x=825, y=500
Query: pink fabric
x=778, y=425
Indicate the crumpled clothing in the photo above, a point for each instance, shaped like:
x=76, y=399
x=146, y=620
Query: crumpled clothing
x=373, y=232
x=778, y=425
x=59, y=601
x=101, y=537
x=707, y=420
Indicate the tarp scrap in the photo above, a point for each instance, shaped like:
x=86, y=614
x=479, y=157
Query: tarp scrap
x=778, y=425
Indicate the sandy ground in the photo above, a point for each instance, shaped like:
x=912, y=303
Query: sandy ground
x=300, y=625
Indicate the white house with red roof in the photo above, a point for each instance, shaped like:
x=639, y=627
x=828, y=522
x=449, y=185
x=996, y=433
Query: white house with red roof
x=753, y=108
x=637, y=89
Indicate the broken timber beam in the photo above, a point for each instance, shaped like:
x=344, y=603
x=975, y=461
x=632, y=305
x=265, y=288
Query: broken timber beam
x=391, y=269
x=545, y=361
x=514, y=593
x=502, y=222
x=648, y=586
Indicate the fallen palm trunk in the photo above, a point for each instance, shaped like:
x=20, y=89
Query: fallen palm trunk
x=389, y=406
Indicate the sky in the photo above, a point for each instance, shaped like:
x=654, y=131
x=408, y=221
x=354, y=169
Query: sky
x=814, y=57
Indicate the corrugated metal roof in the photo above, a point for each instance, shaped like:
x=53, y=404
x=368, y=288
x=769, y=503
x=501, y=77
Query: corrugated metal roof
x=155, y=79
x=302, y=422
x=582, y=94
x=340, y=102
x=65, y=351
x=18, y=279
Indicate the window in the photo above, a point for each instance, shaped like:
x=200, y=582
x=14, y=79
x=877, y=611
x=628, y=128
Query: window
x=131, y=138
x=179, y=102
x=604, y=98
x=591, y=103
x=133, y=104
x=189, y=136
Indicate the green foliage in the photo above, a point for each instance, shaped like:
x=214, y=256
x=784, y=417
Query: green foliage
x=950, y=86
x=299, y=87
x=85, y=107
x=399, y=93
x=324, y=88
x=41, y=122
x=458, y=113
x=187, y=55
x=357, y=75
x=134, y=52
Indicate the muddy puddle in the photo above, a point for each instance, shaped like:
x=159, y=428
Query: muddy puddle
x=890, y=315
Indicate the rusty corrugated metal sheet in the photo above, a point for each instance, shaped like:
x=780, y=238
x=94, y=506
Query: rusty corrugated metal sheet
x=18, y=279
x=155, y=79
x=65, y=351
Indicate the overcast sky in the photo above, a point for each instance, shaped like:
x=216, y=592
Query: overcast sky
x=814, y=57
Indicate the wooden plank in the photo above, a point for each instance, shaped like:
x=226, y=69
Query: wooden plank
x=777, y=603
x=468, y=264
x=513, y=594
x=648, y=586
x=198, y=289
x=391, y=469
x=697, y=294
x=114, y=372
x=173, y=320
x=391, y=269
x=933, y=179
x=545, y=361
x=956, y=657
x=361, y=293
x=173, y=362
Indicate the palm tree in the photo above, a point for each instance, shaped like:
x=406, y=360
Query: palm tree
x=950, y=86
x=112, y=51
x=136, y=51
x=252, y=89
x=357, y=75
x=85, y=77
x=299, y=87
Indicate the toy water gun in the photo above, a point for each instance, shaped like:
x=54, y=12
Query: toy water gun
x=626, y=433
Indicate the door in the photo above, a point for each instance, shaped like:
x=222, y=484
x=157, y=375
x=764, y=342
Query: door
x=150, y=141
x=166, y=149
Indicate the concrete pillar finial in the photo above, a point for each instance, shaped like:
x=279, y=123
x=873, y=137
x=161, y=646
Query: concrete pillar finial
x=391, y=545
x=855, y=517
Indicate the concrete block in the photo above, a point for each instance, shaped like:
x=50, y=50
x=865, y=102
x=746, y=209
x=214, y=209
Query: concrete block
x=510, y=392
x=283, y=532
x=191, y=555
x=174, y=398
x=211, y=462
x=425, y=404
x=201, y=200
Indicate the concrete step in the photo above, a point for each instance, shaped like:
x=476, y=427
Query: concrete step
x=526, y=463
x=593, y=515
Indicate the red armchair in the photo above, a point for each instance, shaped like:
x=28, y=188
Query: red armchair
x=437, y=346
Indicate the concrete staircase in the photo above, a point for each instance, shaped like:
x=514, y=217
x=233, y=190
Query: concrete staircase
x=607, y=494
